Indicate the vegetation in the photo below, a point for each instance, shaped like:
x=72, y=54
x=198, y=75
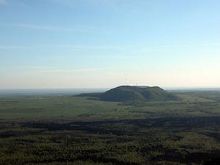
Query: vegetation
x=60, y=130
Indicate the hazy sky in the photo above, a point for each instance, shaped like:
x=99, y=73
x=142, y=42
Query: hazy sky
x=105, y=43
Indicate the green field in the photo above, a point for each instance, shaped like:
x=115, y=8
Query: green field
x=82, y=108
x=81, y=130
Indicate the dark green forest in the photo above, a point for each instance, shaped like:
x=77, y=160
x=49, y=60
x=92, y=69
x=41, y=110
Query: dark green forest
x=61, y=130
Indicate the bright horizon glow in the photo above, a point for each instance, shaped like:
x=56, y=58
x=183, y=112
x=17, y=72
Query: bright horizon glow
x=106, y=43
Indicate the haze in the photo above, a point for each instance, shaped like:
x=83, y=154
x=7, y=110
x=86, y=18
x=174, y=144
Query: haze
x=105, y=43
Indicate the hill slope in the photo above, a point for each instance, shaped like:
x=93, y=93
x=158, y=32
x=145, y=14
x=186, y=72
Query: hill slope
x=136, y=93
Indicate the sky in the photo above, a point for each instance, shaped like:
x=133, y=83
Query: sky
x=106, y=43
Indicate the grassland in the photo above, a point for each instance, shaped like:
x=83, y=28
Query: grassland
x=78, y=130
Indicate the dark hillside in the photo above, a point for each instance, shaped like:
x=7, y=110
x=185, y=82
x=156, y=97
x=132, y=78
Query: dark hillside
x=136, y=93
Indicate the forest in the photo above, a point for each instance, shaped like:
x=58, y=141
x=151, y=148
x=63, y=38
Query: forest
x=81, y=130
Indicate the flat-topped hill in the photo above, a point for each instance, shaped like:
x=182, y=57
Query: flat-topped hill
x=136, y=93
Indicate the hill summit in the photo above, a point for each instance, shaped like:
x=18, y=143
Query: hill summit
x=137, y=93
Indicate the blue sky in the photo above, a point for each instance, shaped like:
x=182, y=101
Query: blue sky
x=105, y=43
